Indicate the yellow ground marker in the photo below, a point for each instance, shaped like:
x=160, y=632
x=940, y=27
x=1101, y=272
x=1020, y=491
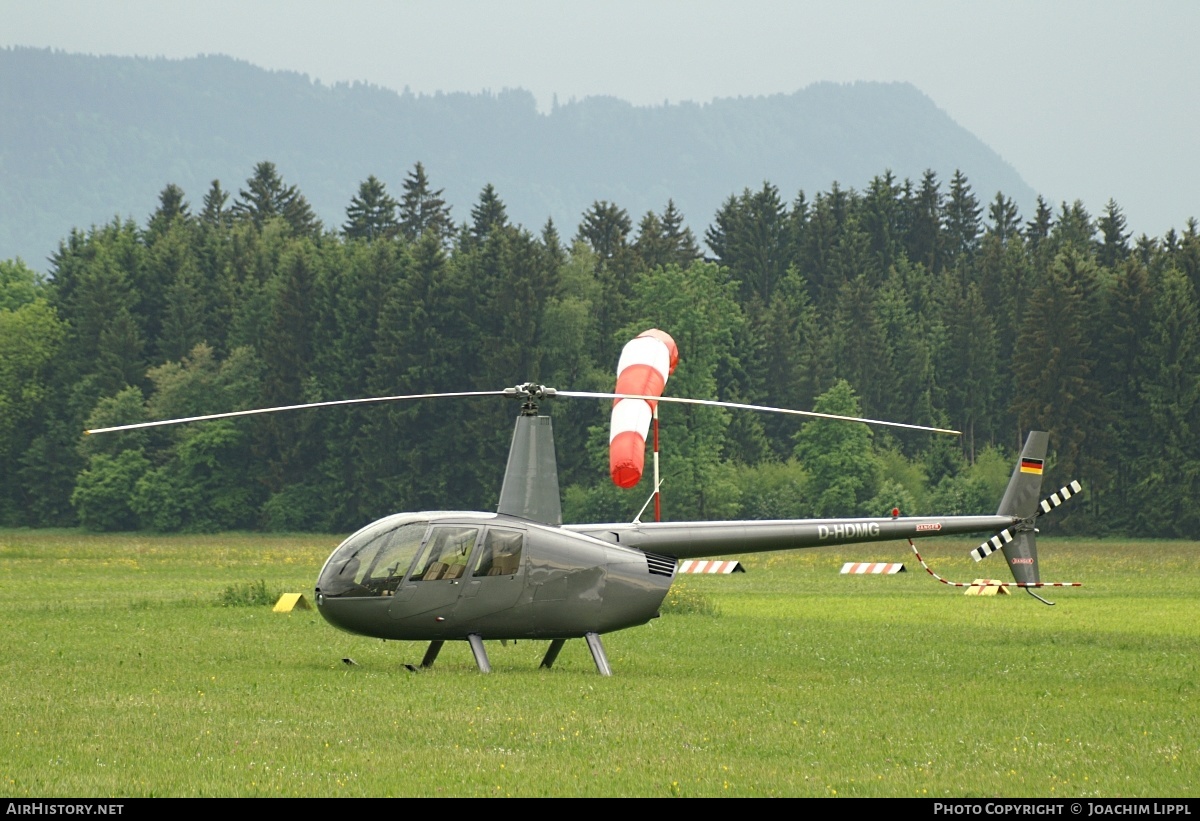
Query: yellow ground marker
x=291, y=601
x=986, y=587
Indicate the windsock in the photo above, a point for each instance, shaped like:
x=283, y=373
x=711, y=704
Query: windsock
x=645, y=364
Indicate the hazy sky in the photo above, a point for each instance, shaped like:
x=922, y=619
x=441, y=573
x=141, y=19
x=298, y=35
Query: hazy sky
x=1087, y=100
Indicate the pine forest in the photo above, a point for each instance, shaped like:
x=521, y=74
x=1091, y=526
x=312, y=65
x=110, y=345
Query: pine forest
x=910, y=300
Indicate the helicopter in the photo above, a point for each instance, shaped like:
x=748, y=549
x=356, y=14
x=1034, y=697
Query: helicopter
x=521, y=573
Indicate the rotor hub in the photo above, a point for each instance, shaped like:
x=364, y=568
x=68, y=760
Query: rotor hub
x=530, y=394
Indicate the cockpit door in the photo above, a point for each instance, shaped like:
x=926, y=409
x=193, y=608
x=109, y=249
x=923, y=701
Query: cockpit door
x=435, y=580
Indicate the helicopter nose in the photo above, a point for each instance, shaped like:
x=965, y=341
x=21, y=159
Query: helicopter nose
x=364, y=615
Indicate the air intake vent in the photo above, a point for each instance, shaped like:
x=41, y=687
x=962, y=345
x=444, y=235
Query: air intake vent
x=660, y=565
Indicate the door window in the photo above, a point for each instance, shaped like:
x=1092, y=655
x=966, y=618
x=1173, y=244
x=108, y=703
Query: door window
x=501, y=553
x=446, y=555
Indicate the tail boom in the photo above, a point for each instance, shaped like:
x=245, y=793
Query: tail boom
x=694, y=540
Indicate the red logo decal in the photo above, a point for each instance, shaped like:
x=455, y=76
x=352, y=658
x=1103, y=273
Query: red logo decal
x=933, y=526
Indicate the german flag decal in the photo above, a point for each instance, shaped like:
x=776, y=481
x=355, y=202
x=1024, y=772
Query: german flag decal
x=1031, y=466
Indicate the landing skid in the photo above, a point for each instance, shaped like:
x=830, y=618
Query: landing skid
x=556, y=646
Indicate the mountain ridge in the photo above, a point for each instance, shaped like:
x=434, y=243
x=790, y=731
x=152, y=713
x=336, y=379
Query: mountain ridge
x=89, y=138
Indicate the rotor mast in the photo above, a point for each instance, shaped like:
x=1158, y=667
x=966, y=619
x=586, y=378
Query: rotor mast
x=530, y=489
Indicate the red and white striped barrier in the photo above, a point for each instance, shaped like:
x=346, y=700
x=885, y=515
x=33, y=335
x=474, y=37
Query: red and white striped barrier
x=874, y=568
x=697, y=566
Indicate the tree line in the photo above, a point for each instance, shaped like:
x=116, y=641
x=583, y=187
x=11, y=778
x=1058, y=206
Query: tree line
x=909, y=301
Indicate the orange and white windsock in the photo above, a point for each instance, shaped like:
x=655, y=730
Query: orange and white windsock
x=645, y=364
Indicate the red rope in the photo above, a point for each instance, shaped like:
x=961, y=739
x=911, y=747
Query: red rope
x=988, y=583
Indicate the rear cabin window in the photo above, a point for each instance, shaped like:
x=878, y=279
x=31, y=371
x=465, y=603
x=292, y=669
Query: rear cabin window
x=500, y=554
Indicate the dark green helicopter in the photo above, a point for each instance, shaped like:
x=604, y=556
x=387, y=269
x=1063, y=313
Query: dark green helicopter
x=520, y=573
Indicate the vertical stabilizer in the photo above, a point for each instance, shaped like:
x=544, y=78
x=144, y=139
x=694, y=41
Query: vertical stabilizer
x=1021, y=499
x=530, y=488
x=1025, y=487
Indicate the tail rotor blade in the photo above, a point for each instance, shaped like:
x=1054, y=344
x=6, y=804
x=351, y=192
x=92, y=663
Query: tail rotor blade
x=992, y=545
x=1005, y=536
x=1055, y=499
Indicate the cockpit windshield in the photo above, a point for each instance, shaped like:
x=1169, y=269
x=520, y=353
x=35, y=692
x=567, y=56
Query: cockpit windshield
x=373, y=561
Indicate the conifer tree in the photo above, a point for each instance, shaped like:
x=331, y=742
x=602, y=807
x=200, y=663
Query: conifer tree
x=605, y=227
x=488, y=214
x=215, y=213
x=1127, y=314
x=1169, y=474
x=1114, y=245
x=926, y=242
x=818, y=258
x=860, y=351
x=1187, y=259
x=171, y=207
x=905, y=308
x=423, y=209
x=1038, y=228
x=1074, y=226
x=552, y=243
x=1005, y=219
x=181, y=322
x=718, y=235
x=289, y=323
x=962, y=218
x=881, y=220
x=266, y=196
x=752, y=237
x=969, y=364
x=651, y=245
x=682, y=241
x=1053, y=369
x=372, y=212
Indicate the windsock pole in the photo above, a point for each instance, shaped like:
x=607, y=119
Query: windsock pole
x=657, y=499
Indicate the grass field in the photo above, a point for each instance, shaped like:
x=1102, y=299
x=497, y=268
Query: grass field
x=124, y=676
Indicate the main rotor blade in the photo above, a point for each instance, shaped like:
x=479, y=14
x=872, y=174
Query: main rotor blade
x=232, y=414
x=738, y=405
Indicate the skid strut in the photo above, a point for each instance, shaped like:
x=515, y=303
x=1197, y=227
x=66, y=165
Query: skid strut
x=431, y=654
x=479, y=652
x=593, y=641
x=552, y=653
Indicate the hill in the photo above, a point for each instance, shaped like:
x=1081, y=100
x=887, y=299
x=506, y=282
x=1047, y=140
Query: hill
x=87, y=138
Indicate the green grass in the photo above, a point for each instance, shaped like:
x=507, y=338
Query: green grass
x=123, y=676
x=248, y=594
